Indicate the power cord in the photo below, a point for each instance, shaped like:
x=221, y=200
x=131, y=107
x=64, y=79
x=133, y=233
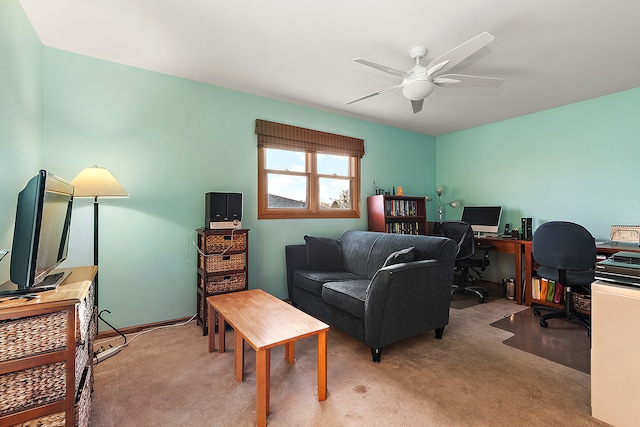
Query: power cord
x=104, y=353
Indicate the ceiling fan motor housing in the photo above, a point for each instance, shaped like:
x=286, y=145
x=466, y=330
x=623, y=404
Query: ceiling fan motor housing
x=418, y=89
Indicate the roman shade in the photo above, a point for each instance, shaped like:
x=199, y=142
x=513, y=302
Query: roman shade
x=286, y=137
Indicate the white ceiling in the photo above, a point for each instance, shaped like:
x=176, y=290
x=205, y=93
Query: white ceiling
x=551, y=52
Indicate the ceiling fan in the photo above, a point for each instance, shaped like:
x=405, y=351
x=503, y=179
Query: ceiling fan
x=419, y=81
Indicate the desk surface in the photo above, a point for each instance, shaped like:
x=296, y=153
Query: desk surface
x=612, y=248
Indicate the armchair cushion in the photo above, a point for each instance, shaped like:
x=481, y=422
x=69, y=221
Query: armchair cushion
x=397, y=257
x=323, y=254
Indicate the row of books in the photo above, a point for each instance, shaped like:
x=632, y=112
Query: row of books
x=547, y=290
x=403, y=227
x=401, y=207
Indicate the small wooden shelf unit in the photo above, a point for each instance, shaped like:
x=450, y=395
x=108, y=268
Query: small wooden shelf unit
x=223, y=260
x=397, y=214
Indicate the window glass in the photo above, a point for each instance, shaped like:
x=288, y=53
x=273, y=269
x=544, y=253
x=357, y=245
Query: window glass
x=333, y=165
x=286, y=191
x=285, y=160
x=334, y=193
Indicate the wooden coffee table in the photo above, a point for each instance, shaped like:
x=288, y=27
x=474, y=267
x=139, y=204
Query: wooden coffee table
x=265, y=321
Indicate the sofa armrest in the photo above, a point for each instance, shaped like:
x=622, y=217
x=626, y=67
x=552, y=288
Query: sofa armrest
x=296, y=259
x=407, y=299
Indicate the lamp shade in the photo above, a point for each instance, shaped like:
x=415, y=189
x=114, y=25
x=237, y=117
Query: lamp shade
x=97, y=182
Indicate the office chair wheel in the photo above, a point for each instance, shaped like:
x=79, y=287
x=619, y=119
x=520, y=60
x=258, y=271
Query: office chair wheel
x=536, y=312
x=481, y=300
x=544, y=323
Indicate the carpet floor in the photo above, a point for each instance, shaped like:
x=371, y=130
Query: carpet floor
x=469, y=378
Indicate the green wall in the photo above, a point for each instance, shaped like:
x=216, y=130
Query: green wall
x=575, y=163
x=168, y=141
x=20, y=114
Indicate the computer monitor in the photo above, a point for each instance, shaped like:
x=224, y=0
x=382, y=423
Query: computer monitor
x=483, y=219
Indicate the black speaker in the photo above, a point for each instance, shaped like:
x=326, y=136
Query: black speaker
x=527, y=229
x=222, y=210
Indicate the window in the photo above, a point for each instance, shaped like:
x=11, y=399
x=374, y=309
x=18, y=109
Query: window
x=304, y=173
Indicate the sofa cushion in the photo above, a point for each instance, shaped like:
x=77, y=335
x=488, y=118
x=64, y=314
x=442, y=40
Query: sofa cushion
x=312, y=281
x=323, y=254
x=348, y=295
x=398, y=257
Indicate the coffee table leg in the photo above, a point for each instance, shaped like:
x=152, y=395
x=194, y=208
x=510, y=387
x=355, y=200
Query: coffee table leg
x=221, y=328
x=238, y=349
x=211, y=316
x=263, y=382
x=290, y=351
x=322, y=365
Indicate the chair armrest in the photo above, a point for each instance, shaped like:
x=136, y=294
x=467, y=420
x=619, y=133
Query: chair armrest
x=295, y=259
x=486, y=248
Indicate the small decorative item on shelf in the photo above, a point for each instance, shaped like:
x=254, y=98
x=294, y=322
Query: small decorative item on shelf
x=400, y=190
x=454, y=204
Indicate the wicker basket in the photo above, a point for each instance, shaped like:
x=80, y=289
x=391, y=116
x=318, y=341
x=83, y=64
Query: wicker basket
x=219, y=263
x=52, y=420
x=32, y=387
x=581, y=301
x=224, y=283
x=82, y=408
x=33, y=335
x=218, y=243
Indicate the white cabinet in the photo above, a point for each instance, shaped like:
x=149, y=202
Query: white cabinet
x=615, y=352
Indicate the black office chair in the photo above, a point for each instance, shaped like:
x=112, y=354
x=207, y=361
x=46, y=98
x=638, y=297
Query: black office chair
x=566, y=253
x=462, y=233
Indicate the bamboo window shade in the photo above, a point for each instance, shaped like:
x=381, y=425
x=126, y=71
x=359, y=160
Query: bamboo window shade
x=293, y=138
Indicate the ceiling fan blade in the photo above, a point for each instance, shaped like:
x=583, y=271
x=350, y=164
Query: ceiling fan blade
x=380, y=67
x=462, y=52
x=417, y=106
x=462, y=80
x=387, y=89
x=436, y=68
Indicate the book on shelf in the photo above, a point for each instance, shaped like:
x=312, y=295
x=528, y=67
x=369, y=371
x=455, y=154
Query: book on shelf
x=403, y=227
x=394, y=207
x=551, y=290
x=547, y=290
x=535, y=288
x=558, y=297
x=544, y=286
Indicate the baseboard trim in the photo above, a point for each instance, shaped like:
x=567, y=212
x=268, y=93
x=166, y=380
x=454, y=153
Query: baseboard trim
x=140, y=328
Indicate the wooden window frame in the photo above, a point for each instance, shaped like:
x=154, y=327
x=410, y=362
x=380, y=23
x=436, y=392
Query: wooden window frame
x=311, y=142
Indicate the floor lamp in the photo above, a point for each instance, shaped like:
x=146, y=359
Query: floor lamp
x=97, y=182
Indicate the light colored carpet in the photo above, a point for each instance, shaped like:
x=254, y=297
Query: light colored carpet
x=469, y=378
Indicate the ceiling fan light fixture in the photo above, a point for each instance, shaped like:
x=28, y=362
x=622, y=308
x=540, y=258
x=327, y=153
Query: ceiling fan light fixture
x=418, y=90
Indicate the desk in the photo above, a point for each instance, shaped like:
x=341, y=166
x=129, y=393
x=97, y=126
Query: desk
x=517, y=248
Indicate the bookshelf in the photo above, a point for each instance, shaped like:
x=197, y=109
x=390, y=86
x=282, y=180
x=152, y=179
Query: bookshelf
x=397, y=214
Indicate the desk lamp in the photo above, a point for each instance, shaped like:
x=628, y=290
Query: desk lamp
x=97, y=182
x=441, y=206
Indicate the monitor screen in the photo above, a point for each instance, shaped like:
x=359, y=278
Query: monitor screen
x=41, y=231
x=483, y=219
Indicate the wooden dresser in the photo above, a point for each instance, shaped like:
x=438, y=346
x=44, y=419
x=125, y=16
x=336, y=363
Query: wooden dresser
x=46, y=355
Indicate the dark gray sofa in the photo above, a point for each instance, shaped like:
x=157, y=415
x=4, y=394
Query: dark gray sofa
x=345, y=283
